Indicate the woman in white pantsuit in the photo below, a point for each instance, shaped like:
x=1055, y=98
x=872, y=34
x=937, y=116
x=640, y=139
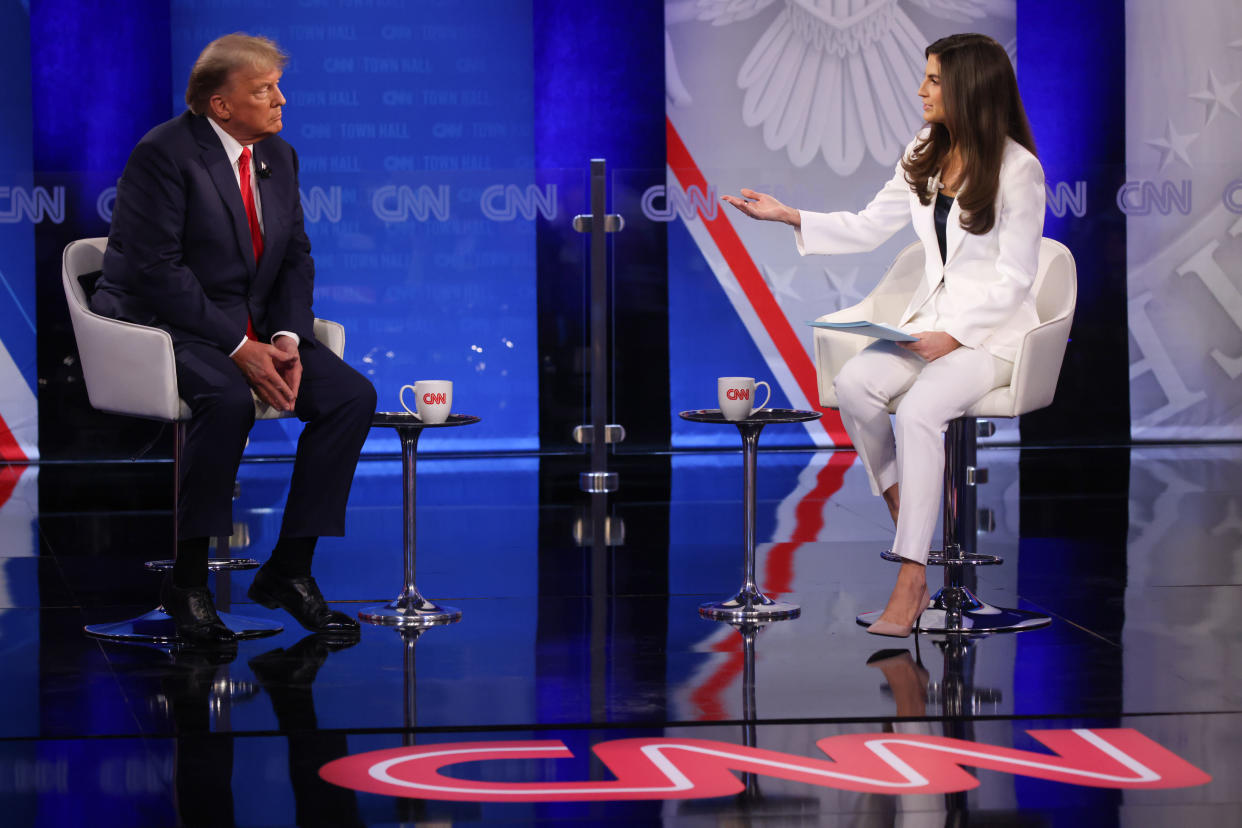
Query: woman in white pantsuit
x=974, y=190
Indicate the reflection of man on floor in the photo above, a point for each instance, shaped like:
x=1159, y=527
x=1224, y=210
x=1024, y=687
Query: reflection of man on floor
x=203, y=759
x=208, y=243
x=288, y=675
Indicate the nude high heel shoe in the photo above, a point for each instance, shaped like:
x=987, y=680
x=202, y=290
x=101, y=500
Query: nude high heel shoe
x=897, y=630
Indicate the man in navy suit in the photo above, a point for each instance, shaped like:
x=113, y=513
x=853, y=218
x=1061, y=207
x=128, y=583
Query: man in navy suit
x=208, y=243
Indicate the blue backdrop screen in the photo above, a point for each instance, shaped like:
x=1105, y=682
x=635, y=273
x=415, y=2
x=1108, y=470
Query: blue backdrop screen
x=414, y=127
x=17, y=196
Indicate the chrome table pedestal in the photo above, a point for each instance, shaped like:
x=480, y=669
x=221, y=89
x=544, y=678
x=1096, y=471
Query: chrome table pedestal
x=749, y=604
x=410, y=608
x=955, y=608
x=158, y=627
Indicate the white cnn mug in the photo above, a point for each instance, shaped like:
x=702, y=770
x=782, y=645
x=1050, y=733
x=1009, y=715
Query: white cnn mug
x=736, y=396
x=433, y=400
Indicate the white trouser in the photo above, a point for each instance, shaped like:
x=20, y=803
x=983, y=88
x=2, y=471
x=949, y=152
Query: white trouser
x=935, y=393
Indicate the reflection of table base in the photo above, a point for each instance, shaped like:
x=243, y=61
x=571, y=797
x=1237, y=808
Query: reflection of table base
x=753, y=804
x=410, y=610
x=749, y=604
x=955, y=609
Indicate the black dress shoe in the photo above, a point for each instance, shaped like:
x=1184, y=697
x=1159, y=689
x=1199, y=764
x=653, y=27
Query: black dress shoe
x=194, y=613
x=301, y=598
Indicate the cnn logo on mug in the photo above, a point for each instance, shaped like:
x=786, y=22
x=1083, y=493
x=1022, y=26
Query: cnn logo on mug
x=433, y=400
x=736, y=396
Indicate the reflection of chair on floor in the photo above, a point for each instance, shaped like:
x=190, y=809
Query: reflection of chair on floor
x=954, y=694
x=1035, y=372
x=129, y=369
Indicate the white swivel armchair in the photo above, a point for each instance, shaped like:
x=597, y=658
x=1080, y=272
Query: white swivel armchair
x=1036, y=369
x=129, y=369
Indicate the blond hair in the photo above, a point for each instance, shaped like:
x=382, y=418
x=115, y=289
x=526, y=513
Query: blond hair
x=222, y=56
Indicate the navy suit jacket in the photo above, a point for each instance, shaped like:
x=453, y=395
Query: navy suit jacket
x=179, y=254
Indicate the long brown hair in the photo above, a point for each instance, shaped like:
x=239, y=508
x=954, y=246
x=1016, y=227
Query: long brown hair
x=982, y=108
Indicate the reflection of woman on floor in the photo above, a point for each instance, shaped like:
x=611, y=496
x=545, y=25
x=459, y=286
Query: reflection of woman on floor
x=972, y=186
x=907, y=679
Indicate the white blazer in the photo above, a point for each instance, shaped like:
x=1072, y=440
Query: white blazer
x=986, y=300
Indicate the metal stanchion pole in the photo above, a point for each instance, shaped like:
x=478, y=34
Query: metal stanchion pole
x=599, y=433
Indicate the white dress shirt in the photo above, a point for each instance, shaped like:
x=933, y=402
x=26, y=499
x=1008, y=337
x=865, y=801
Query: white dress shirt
x=233, y=149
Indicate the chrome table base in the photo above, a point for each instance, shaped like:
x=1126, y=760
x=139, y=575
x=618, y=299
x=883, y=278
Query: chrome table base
x=410, y=609
x=749, y=604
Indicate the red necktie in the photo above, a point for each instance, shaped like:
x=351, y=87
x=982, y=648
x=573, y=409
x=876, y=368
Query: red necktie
x=252, y=217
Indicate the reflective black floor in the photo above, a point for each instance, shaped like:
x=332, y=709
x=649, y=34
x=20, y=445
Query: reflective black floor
x=582, y=687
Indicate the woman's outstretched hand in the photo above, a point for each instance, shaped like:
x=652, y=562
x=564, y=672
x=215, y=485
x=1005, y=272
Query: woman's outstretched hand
x=764, y=207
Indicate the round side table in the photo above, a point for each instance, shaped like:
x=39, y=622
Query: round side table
x=411, y=609
x=749, y=604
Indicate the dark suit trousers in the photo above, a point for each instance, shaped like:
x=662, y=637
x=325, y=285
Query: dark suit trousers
x=335, y=402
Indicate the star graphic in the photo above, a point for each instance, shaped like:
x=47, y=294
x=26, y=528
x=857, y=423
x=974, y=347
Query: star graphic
x=1217, y=96
x=781, y=281
x=845, y=285
x=1173, y=144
